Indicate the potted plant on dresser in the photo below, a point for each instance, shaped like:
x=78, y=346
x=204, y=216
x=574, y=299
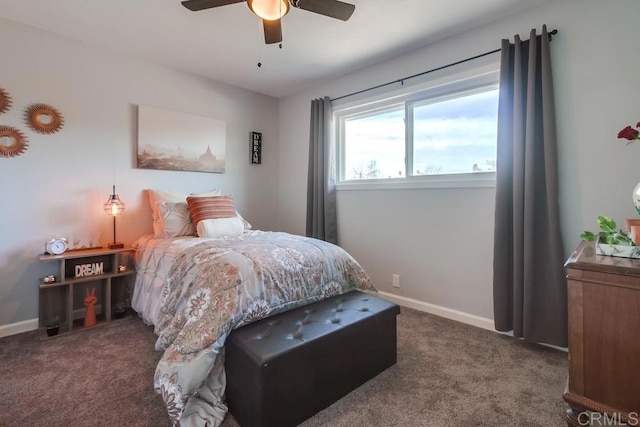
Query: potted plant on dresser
x=610, y=241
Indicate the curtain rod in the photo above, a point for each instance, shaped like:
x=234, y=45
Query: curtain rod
x=401, y=81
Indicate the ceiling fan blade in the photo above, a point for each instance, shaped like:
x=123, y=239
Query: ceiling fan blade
x=331, y=8
x=272, y=31
x=196, y=5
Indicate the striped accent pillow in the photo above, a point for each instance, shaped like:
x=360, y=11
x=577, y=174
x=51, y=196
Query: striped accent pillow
x=213, y=207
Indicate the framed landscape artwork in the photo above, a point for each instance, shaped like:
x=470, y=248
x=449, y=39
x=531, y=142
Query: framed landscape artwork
x=169, y=140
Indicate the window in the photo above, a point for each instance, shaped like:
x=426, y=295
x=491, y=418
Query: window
x=441, y=131
x=374, y=144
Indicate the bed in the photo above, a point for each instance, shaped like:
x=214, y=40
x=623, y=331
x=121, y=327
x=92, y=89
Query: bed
x=195, y=290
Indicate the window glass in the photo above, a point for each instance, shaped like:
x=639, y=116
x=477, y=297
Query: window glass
x=457, y=135
x=444, y=130
x=374, y=145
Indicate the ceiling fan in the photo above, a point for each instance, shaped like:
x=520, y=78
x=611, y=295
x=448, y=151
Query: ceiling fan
x=271, y=11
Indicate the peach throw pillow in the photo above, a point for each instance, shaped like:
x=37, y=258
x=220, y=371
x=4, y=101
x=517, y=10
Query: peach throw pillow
x=214, y=207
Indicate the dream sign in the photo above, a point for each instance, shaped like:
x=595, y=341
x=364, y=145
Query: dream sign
x=89, y=269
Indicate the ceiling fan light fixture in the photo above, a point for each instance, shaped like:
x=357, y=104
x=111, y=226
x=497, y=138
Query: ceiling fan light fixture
x=269, y=10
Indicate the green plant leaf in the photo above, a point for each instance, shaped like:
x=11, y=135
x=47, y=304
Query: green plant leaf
x=608, y=233
x=587, y=236
x=624, y=238
x=607, y=224
x=608, y=238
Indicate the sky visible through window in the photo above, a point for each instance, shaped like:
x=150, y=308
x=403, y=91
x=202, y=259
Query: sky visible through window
x=453, y=136
x=374, y=146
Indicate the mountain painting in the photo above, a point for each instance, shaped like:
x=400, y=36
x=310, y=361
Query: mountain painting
x=169, y=140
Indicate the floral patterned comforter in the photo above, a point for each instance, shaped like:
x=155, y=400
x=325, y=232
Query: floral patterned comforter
x=216, y=285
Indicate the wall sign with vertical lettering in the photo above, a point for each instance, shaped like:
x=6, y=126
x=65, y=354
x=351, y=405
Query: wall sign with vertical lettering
x=256, y=148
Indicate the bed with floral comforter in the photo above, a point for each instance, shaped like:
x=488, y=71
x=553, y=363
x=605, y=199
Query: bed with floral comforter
x=195, y=291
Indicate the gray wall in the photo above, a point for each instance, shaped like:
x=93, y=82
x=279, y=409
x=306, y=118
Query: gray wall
x=59, y=184
x=440, y=240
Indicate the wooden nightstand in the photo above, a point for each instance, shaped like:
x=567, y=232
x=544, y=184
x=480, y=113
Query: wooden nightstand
x=109, y=271
x=604, y=337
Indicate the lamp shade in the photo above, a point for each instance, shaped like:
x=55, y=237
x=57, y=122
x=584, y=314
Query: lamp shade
x=114, y=206
x=269, y=9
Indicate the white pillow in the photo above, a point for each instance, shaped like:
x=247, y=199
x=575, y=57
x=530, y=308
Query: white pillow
x=162, y=214
x=247, y=224
x=220, y=227
x=175, y=219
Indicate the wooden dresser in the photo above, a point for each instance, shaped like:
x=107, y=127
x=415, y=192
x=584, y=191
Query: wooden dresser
x=604, y=337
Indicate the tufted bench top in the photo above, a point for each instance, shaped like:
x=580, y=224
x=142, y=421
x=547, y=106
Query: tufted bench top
x=272, y=337
x=283, y=369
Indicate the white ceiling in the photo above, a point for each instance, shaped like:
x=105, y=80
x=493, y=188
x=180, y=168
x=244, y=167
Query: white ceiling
x=226, y=43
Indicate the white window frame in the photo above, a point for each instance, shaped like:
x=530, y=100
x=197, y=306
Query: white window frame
x=436, y=89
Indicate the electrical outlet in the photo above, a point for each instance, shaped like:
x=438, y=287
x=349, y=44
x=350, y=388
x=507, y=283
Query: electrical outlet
x=396, y=280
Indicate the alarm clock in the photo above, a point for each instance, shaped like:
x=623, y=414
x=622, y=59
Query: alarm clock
x=55, y=245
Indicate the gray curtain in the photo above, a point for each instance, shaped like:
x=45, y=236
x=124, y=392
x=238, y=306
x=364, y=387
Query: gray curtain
x=529, y=286
x=321, y=186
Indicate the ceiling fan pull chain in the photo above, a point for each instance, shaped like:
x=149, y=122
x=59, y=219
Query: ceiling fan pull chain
x=259, y=45
x=280, y=44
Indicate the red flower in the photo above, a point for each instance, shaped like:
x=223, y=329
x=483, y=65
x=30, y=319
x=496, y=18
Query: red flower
x=630, y=133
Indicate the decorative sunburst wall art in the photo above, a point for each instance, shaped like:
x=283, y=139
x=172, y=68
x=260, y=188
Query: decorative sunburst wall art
x=5, y=101
x=44, y=118
x=17, y=142
x=41, y=118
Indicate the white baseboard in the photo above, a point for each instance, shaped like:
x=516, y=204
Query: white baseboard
x=32, y=324
x=448, y=313
x=18, y=327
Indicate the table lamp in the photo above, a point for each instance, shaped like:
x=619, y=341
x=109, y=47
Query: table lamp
x=114, y=207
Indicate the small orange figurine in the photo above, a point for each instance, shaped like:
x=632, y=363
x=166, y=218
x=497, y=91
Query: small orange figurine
x=90, y=313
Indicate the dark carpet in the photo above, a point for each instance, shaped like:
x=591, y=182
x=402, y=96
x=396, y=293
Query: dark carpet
x=448, y=374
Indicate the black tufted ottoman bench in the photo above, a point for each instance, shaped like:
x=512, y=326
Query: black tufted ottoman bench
x=284, y=369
